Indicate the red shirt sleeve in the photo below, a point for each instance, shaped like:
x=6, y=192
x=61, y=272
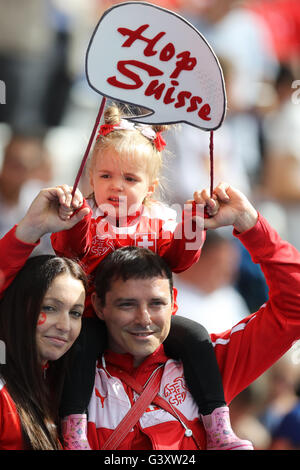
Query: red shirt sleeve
x=255, y=343
x=182, y=247
x=14, y=254
x=10, y=425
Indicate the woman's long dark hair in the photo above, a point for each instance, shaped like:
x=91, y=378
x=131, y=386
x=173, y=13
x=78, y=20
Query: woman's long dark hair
x=36, y=398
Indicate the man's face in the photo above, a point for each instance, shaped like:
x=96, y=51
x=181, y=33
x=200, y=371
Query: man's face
x=137, y=314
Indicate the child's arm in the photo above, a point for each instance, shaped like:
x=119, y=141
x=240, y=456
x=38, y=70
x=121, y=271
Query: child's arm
x=182, y=248
x=179, y=252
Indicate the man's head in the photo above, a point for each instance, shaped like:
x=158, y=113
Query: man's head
x=25, y=158
x=134, y=296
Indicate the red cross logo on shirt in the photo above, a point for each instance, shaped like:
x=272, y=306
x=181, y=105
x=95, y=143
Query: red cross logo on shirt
x=176, y=391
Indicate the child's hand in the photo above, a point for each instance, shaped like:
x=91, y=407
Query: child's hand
x=200, y=208
x=211, y=204
x=51, y=212
x=68, y=205
x=234, y=208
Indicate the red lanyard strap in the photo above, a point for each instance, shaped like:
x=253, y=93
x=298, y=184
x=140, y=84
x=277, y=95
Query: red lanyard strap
x=146, y=397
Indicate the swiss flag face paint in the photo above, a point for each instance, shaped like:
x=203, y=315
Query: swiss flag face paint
x=42, y=318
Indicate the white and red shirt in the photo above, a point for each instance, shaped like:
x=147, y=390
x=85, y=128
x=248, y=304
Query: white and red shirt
x=157, y=429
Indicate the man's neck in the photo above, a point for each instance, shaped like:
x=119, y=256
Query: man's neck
x=125, y=362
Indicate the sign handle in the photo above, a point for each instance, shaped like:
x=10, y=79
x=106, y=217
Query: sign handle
x=86, y=154
x=211, y=154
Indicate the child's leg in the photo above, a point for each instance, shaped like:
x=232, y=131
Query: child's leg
x=79, y=382
x=190, y=342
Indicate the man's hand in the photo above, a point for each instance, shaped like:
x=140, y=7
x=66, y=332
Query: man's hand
x=228, y=206
x=51, y=211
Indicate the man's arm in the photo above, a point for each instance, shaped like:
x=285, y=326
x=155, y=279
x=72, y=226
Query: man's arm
x=255, y=343
x=14, y=254
x=45, y=215
x=226, y=206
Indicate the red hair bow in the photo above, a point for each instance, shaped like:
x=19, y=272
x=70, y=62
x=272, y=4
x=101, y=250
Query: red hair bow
x=105, y=129
x=159, y=142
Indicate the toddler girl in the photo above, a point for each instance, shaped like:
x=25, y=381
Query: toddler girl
x=124, y=173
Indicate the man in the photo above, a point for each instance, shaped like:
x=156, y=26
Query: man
x=134, y=297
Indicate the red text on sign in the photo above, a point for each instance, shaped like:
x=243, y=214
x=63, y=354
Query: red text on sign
x=170, y=94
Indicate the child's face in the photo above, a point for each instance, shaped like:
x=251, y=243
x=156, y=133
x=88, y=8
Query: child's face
x=119, y=184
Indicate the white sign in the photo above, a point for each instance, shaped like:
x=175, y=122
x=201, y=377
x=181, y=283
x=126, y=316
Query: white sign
x=151, y=57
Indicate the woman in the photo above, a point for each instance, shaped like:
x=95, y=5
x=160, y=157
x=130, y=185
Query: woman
x=40, y=318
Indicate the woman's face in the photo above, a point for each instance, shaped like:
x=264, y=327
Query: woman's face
x=59, y=322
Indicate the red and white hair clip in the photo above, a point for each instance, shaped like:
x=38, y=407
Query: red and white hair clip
x=145, y=129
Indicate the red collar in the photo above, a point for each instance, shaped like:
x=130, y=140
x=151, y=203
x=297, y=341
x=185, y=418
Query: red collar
x=45, y=367
x=125, y=362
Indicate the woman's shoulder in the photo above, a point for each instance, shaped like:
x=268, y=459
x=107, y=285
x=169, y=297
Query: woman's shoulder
x=2, y=383
x=10, y=426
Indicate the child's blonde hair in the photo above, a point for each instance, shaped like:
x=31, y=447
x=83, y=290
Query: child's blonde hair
x=130, y=143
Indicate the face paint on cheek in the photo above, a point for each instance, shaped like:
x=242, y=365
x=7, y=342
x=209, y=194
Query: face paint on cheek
x=42, y=318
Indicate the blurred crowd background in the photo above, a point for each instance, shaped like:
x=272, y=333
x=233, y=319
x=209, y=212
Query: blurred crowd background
x=48, y=112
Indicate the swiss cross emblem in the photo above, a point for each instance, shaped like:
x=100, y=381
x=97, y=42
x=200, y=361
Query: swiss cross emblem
x=176, y=391
x=145, y=240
